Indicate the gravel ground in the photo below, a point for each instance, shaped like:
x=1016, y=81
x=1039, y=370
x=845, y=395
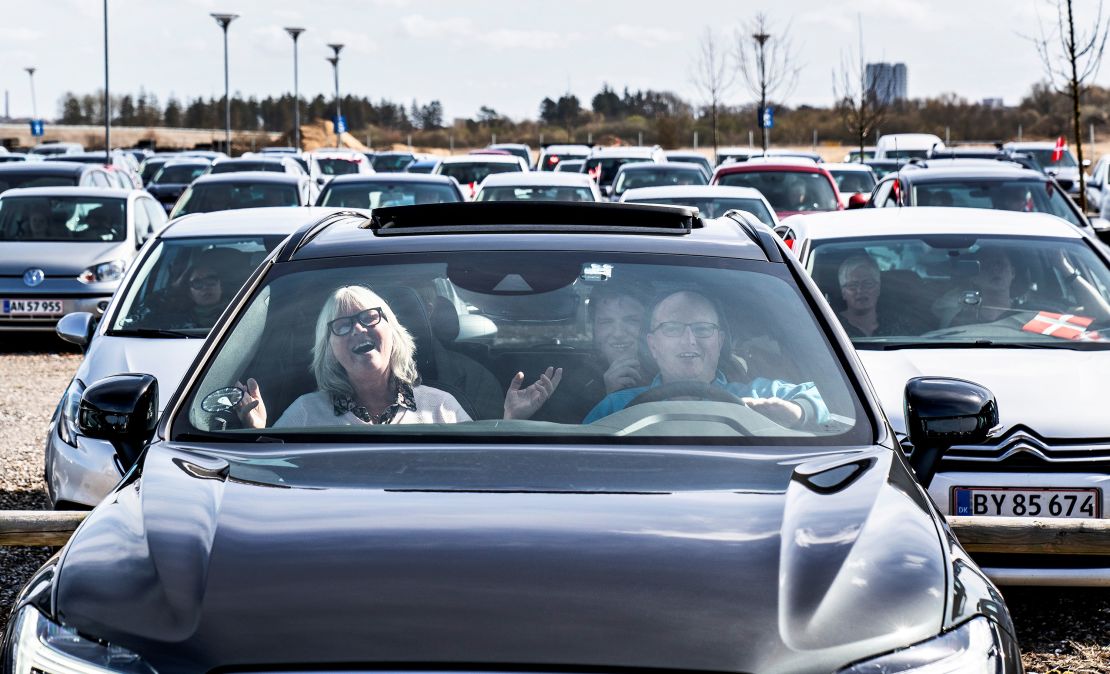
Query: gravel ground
x=1061, y=630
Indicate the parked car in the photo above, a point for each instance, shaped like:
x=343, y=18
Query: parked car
x=552, y=155
x=697, y=158
x=245, y=189
x=273, y=163
x=151, y=165
x=1097, y=184
x=1063, y=167
x=175, y=176
x=522, y=150
x=53, y=147
x=729, y=154
x=854, y=155
x=52, y=174
x=604, y=162
x=392, y=162
x=210, y=155
x=121, y=162
x=1017, y=302
x=712, y=201
x=884, y=167
x=656, y=174
x=675, y=534
x=538, y=186
x=777, y=153
x=326, y=164
x=991, y=187
x=852, y=179
x=792, y=186
x=9, y=157
x=65, y=250
x=388, y=189
x=470, y=170
x=157, y=321
x=907, y=145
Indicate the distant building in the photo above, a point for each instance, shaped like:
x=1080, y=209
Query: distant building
x=887, y=80
x=993, y=103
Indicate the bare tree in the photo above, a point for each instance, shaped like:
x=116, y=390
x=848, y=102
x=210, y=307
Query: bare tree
x=1070, y=62
x=713, y=76
x=767, y=64
x=862, y=105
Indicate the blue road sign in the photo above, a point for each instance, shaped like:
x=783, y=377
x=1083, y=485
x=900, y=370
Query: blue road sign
x=36, y=128
x=341, y=124
x=768, y=118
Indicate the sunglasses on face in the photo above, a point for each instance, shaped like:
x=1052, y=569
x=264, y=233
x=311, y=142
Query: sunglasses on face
x=204, y=282
x=367, y=318
x=676, y=329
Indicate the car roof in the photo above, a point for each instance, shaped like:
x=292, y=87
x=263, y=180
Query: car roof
x=662, y=166
x=390, y=177
x=246, y=221
x=846, y=166
x=1000, y=172
x=250, y=177
x=482, y=159
x=58, y=168
x=692, y=191
x=878, y=222
x=685, y=153
x=567, y=148
x=187, y=161
x=274, y=158
x=1031, y=145
x=395, y=153
x=774, y=164
x=101, y=192
x=624, y=151
x=537, y=178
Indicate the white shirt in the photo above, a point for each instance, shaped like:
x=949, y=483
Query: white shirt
x=316, y=409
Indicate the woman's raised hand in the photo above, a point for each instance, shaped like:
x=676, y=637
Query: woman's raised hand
x=522, y=403
x=251, y=409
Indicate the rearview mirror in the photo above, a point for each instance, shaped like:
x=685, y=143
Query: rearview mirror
x=122, y=409
x=76, y=328
x=941, y=412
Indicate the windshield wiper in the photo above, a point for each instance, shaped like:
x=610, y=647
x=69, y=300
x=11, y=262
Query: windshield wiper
x=152, y=332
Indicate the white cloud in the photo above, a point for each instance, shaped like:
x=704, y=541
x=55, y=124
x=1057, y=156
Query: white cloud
x=645, y=35
x=423, y=28
x=460, y=30
x=19, y=34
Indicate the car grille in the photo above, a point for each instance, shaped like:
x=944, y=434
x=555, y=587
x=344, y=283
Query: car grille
x=1022, y=448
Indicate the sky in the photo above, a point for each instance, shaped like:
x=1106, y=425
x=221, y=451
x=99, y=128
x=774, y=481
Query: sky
x=507, y=54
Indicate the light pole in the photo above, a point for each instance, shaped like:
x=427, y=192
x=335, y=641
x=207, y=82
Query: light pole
x=225, y=20
x=761, y=39
x=107, y=96
x=334, y=61
x=34, y=107
x=296, y=33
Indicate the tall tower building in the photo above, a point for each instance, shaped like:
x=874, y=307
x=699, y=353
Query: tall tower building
x=887, y=80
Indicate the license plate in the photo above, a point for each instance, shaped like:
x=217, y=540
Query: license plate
x=32, y=307
x=1021, y=502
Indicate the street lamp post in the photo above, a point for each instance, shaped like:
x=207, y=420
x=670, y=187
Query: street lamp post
x=296, y=33
x=34, y=107
x=334, y=61
x=761, y=39
x=107, y=95
x=225, y=20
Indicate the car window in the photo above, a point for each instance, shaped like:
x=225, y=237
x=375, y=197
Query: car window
x=62, y=218
x=475, y=172
x=185, y=284
x=474, y=317
x=715, y=207
x=627, y=180
x=788, y=191
x=378, y=194
x=1027, y=196
x=149, y=170
x=338, y=166
x=961, y=289
x=535, y=193
x=143, y=226
x=1045, y=158
x=853, y=181
x=178, y=175
x=608, y=167
x=236, y=166
x=211, y=197
x=13, y=180
x=100, y=179
x=391, y=163
x=155, y=212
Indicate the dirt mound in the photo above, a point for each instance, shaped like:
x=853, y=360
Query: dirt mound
x=321, y=134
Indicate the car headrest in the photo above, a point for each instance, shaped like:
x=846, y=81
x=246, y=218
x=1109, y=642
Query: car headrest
x=445, y=320
x=409, y=309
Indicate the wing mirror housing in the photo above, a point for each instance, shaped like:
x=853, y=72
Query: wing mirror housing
x=941, y=412
x=857, y=200
x=76, y=328
x=122, y=409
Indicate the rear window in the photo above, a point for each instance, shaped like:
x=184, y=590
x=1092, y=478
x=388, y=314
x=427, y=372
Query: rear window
x=178, y=175
x=378, y=194
x=235, y=166
x=853, y=181
x=229, y=196
x=393, y=163
x=715, y=207
x=475, y=172
x=788, y=191
x=51, y=218
x=1027, y=196
x=11, y=181
x=535, y=193
x=658, y=177
x=338, y=166
x=609, y=167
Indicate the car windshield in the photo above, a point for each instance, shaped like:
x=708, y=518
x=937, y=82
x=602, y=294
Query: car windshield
x=228, y=196
x=609, y=167
x=475, y=172
x=536, y=193
x=338, y=166
x=628, y=180
x=905, y=154
x=82, y=219
x=420, y=167
x=10, y=180
x=788, y=191
x=150, y=169
x=715, y=207
x=183, y=285
x=853, y=181
x=695, y=334
x=179, y=175
x=238, y=165
x=570, y=166
x=966, y=290
x=376, y=194
x=1027, y=196
x=1045, y=158
x=391, y=163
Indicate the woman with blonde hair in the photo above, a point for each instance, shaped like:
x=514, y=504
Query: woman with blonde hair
x=365, y=368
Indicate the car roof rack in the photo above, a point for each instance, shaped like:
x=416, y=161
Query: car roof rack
x=761, y=235
x=549, y=217
x=306, y=233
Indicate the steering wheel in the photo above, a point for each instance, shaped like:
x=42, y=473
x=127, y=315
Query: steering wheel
x=686, y=389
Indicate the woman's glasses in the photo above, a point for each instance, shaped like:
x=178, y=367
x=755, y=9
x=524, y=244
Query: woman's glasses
x=367, y=318
x=204, y=282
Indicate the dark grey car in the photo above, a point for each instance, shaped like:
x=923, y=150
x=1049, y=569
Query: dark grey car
x=688, y=531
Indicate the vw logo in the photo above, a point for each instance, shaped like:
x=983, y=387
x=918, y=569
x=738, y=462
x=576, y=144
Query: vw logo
x=33, y=277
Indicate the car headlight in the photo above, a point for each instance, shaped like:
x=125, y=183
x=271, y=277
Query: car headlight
x=38, y=644
x=67, y=412
x=105, y=271
x=971, y=648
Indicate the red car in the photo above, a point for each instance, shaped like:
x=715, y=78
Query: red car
x=790, y=187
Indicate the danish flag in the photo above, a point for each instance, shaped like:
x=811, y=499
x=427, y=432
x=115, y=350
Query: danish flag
x=1064, y=326
x=595, y=172
x=1059, y=150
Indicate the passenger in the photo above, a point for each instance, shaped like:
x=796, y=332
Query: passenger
x=363, y=360
x=99, y=225
x=687, y=339
x=860, y=285
x=38, y=228
x=990, y=298
x=205, y=293
x=617, y=317
x=796, y=197
x=1011, y=198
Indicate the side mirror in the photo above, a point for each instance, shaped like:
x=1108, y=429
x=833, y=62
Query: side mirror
x=76, y=328
x=1086, y=163
x=941, y=412
x=857, y=200
x=122, y=409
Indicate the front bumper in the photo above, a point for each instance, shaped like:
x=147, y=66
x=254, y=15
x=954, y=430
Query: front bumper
x=74, y=296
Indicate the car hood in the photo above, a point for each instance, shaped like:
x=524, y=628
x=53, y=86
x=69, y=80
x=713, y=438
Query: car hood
x=59, y=258
x=691, y=560
x=1056, y=392
x=167, y=359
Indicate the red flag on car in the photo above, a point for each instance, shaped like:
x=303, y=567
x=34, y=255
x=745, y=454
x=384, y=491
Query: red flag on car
x=1059, y=150
x=1064, y=326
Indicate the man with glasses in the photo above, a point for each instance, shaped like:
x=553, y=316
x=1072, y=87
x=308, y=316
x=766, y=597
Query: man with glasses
x=860, y=285
x=687, y=339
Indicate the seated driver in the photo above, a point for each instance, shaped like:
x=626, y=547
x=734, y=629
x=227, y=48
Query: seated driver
x=686, y=338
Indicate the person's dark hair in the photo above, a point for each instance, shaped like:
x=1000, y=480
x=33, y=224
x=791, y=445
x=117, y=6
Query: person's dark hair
x=612, y=290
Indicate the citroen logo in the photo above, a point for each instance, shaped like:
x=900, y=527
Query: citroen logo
x=33, y=277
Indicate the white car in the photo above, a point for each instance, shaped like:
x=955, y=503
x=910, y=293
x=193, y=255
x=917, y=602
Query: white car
x=907, y=145
x=323, y=165
x=604, y=162
x=157, y=322
x=552, y=155
x=712, y=201
x=852, y=179
x=470, y=170
x=1016, y=302
x=538, y=186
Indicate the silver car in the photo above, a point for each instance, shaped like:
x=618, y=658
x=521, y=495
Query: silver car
x=178, y=287
x=65, y=249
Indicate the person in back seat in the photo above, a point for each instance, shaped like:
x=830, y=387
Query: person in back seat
x=860, y=286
